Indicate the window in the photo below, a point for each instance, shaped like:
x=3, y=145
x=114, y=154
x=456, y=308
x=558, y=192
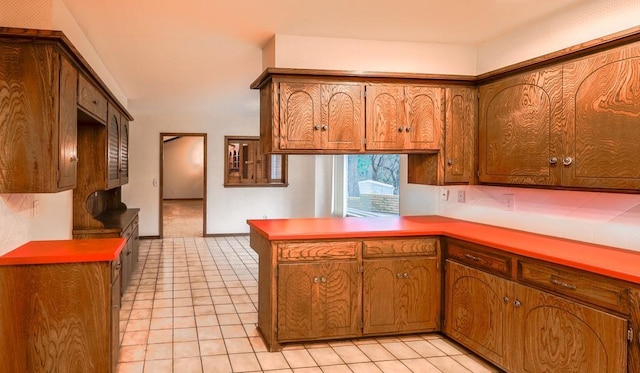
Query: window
x=370, y=185
x=246, y=165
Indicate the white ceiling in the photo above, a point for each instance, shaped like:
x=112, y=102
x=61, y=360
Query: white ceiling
x=182, y=54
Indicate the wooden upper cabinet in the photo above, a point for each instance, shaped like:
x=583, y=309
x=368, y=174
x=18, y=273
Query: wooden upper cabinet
x=113, y=148
x=520, y=129
x=38, y=149
x=124, y=150
x=460, y=133
x=315, y=116
x=403, y=117
x=91, y=100
x=602, y=103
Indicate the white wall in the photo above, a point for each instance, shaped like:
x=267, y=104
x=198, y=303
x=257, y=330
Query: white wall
x=183, y=172
x=18, y=223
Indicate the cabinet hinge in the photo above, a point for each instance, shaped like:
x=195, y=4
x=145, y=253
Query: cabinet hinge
x=630, y=335
x=438, y=265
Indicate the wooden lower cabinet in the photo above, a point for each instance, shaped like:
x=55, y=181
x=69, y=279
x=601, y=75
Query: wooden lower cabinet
x=319, y=300
x=400, y=295
x=522, y=329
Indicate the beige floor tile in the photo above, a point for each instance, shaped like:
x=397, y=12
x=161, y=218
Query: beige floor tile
x=160, y=336
x=158, y=366
x=135, y=338
x=400, y=350
x=229, y=319
x=336, y=369
x=475, y=364
x=216, y=364
x=184, y=334
x=209, y=332
x=447, y=365
x=186, y=349
x=132, y=353
x=392, y=366
x=365, y=368
x=351, y=354
x=272, y=360
x=138, y=325
x=448, y=347
x=206, y=320
x=325, y=356
x=159, y=351
x=212, y=347
x=233, y=331
x=246, y=362
x=238, y=345
x=420, y=366
x=187, y=365
x=375, y=352
x=299, y=358
x=424, y=348
x=162, y=312
x=307, y=370
x=184, y=322
x=161, y=323
x=133, y=367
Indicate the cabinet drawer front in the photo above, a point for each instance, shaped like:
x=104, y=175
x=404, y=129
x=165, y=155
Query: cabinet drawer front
x=580, y=285
x=402, y=247
x=90, y=99
x=479, y=258
x=300, y=251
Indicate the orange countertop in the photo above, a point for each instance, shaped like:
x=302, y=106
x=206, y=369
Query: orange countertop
x=65, y=251
x=609, y=261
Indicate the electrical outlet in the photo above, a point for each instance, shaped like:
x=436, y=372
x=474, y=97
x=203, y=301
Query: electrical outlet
x=36, y=209
x=509, y=201
x=444, y=194
x=461, y=196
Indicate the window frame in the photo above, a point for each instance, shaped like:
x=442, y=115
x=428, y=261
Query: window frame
x=249, y=176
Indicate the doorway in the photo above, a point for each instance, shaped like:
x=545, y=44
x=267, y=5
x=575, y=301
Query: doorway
x=183, y=185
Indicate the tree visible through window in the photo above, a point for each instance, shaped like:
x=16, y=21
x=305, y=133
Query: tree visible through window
x=373, y=184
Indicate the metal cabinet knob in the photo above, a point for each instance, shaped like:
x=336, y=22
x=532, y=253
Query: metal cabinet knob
x=316, y=127
x=567, y=161
x=399, y=275
x=450, y=162
x=316, y=280
x=553, y=160
x=408, y=129
x=406, y=275
x=517, y=304
x=505, y=299
x=323, y=279
x=400, y=129
x=325, y=127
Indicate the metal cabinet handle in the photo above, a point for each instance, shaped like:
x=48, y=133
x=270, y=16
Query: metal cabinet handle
x=400, y=129
x=565, y=285
x=74, y=158
x=408, y=129
x=323, y=279
x=505, y=299
x=553, y=160
x=406, y=275
x=474, y=258
x=316, y=127
x=399, y=275
x=316, y=280
x=325, y=127
x=567, y=161
x=450, y=162
x=517, y=304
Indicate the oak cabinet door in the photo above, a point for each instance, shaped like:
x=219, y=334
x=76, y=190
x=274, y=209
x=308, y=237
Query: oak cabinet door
x=113, y=148
x=342, y=116
x=423, y=129
x=477, y=307
x=124, y=150
x=400, y=295
x=300, y=115
x=319, y=300
x=558, y=335
x=68, y=125
x=460, y=119
x=386, y=117
x=520, y=129
x=602, y=102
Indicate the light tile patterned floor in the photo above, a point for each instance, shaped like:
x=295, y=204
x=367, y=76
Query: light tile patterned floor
x=192, y=307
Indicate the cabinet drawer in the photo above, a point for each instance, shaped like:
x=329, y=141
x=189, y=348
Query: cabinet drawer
x=300, y=251
x=479, y=257
x=90, y=99
x=400, y=247
x=577, y=284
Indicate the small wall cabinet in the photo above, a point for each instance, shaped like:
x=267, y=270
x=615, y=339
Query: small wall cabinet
x=38, y=145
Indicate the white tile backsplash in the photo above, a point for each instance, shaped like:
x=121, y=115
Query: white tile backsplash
x=611, y=219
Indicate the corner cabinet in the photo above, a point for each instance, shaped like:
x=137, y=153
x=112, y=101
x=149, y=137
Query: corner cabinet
x=538, y=317
x=572, y=125
x=38, y=83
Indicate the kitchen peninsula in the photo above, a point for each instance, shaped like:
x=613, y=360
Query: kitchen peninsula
x=500, y=292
